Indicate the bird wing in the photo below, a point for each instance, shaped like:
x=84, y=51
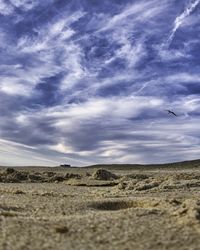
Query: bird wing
x=173, y=113
x=170, y=112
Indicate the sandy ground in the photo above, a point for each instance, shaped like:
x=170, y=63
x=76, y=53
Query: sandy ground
x=94, y=209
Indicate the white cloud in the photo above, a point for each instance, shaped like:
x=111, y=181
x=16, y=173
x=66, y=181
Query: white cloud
x=11, y=143
x=112, y=128
x=21, y=154
x=43, y=49
x=123, y=30
x=63, y=24
x=131, y=53
x=13, y=87
x=21, y=81
x=104, y=109
x=62, y=148
x=72, y=63
x=191, y=103
x=50, y=36
x=183, y=78
x=50, y=41
x=24, y=4
x=8, y=7
x=181, y=18
x=137, y=12
x=5, y=8
x=171, y=55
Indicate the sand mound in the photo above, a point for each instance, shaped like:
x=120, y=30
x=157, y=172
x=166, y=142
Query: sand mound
x=102, y=174
x=188, y=211
x=184, y=176
x=160, y=183
x=139, y=185
x=11, y=175
x=144, y=185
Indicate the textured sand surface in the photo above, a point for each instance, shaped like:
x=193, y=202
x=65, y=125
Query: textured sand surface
x=90, y=209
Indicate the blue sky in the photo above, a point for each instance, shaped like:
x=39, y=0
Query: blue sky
x=87, y=81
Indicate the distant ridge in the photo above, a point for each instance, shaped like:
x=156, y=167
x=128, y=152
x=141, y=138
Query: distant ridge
x=182, y=164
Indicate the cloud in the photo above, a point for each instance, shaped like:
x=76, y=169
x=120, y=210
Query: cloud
x=88, y=82
x=24, y=4
x=139, y=11
x=23, y=155
x=9, y=7
x=40, y=58
x=184, y=78
x=181, y=18
x=50, y=43
x=5, y=8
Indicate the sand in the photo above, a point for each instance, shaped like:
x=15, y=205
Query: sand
x=71, y=208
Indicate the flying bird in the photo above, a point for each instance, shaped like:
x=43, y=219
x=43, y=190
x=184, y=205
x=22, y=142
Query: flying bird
x=171, y=112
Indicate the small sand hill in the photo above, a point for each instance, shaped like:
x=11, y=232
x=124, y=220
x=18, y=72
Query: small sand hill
x=11, y=175
x=102, y=174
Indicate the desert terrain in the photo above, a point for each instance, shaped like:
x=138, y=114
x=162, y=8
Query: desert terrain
x=101, y=207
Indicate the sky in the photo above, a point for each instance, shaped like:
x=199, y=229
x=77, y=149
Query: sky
x=85, y=81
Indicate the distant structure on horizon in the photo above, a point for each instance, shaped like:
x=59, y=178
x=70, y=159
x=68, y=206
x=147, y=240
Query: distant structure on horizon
x=65, y=165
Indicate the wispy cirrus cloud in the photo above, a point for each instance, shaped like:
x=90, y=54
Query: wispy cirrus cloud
x=181, y=18
x=137, y=12
x=9, y=7
x=5, y=8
